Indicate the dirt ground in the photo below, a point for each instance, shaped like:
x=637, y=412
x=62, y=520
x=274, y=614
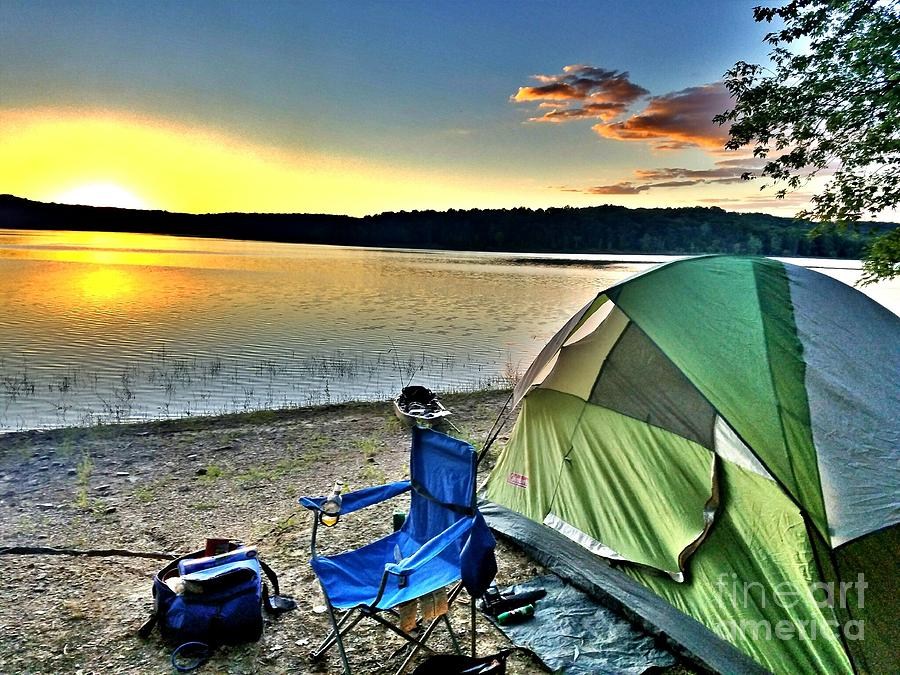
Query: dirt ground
x=166, y=486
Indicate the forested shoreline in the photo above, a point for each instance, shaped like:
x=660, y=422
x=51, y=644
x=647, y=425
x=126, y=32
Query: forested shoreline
x=597, y=229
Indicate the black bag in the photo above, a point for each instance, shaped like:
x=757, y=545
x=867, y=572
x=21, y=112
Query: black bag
x=451, y=664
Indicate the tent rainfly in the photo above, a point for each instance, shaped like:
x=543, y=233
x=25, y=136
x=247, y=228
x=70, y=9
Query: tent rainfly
x=728, y=430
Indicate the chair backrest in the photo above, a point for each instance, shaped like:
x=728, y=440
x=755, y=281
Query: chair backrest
x=442, y=470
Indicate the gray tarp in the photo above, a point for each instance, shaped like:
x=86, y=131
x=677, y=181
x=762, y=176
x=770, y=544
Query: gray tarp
x=573, y=634
x=624, y=595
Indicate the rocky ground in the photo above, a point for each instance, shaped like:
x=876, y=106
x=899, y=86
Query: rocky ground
x=167, y=486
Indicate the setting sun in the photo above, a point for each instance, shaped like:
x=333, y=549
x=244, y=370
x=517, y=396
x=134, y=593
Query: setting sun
x=101, y=194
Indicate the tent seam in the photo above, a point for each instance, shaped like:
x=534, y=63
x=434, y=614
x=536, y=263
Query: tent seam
x=775, y=391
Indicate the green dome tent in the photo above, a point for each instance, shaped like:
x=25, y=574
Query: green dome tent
x=727, y=431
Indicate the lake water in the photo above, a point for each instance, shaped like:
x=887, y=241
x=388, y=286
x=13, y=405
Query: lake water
x=107, y=327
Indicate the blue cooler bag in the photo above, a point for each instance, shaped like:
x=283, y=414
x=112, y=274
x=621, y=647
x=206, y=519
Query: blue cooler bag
x=217, y=600
x=221, y=602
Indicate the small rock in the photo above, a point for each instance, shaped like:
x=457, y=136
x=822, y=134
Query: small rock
x=320, y=609
x=72, y=472
x=192, y=456
x=201, y=471
x=45, y=506
x=102, y=488
x=110, y=509
x=43, y=468
x=121, y=473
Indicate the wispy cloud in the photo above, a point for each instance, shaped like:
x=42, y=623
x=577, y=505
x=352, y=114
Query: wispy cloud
x=675, y=121
x=667, y=177
x=730, y=174
x=603, y=111
x=791, y=200
x=629, y=188
x=581, y=92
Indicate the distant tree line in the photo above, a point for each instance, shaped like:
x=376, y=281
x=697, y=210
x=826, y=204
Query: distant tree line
x=600, y=229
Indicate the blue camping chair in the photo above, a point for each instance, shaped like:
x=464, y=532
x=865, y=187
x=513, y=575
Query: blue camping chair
x=444, y=540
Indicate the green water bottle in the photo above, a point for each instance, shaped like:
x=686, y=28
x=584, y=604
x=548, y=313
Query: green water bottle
x=516, y=615
x=399, y=519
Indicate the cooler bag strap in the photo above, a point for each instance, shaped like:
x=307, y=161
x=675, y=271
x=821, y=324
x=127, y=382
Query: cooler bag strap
x=276, y=603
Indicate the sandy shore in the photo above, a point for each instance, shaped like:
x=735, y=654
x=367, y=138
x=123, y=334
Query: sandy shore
x=165, y=487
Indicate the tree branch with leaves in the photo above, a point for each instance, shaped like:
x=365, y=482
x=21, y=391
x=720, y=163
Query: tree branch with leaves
x=829, y=103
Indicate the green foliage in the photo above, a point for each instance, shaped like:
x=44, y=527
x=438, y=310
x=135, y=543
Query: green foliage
x=831, y=102
x=369, y=447
x=213, y=473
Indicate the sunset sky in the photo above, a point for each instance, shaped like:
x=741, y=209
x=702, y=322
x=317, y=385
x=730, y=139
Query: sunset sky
x=352, y=107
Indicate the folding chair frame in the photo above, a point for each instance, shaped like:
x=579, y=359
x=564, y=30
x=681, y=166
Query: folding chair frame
x=341, y=627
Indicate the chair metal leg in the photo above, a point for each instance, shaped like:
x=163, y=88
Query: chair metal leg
x=472, y=626
x=337, y=634
x=452, y=634
x=331, y=639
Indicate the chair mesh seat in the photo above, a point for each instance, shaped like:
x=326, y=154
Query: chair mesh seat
x=352, y=579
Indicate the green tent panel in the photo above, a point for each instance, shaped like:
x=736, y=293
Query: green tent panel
x=662, y=491
x=727, y=429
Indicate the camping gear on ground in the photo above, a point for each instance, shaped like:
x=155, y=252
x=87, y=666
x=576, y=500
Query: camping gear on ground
x=454, y=664
x=516, y=615
x=576, y=635
x=444, y=540
x=213, y=600
x=494, y=603
x=726, y=431
x=419, y=406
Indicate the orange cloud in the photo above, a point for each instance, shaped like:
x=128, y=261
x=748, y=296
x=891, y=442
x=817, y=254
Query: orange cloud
x=682, y=119
x=602, y=94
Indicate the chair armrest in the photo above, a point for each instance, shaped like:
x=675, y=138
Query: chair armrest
x=431, y=548
x=359, y=499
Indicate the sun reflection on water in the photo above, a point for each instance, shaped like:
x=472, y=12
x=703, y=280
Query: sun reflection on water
x=103, y=285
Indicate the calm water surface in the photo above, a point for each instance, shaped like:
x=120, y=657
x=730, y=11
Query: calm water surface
x=105, y=327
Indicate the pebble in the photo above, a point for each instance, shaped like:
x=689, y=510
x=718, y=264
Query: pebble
x=46, y=506
x=121, y=473
x=72, y=472
x=102, y=488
